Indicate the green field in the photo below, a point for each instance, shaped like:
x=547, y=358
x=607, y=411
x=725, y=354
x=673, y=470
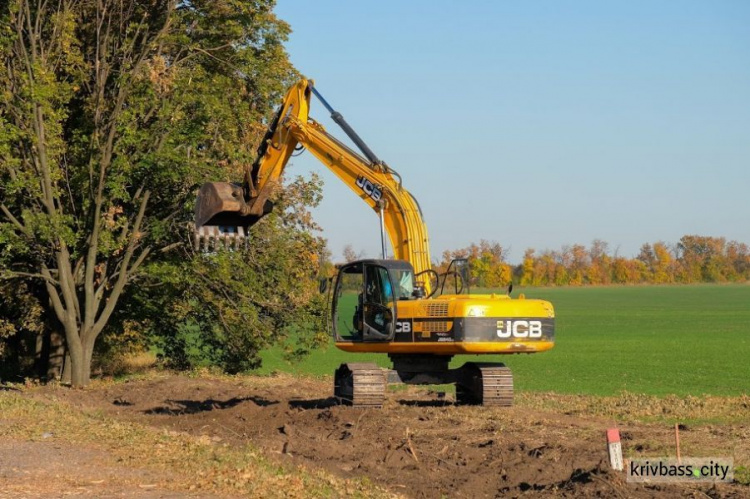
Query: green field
x=684, y=340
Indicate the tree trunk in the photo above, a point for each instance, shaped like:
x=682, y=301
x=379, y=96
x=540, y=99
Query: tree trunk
x=66, y=376
x=41, y=353
x=77, y=374
x=56, y=355
x=50, y=352
x=88, y=349
x=77, y=359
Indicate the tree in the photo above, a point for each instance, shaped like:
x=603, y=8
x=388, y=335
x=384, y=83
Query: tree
x=527, y=272
x=703, y=258
x=599, y=269
x=487, y=263
x=662, y=266
x=579, y=264
x=221, y=309
x=350, y=255
x=647, y=257
x=111, y=113
x=738, y=256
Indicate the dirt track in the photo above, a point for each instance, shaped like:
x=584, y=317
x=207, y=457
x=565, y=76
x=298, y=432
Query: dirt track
x=418, y=445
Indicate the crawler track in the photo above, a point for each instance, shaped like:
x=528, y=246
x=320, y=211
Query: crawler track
x=360, y=384
x=485, y=384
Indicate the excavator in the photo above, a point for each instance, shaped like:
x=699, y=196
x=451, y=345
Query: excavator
x=399, y=306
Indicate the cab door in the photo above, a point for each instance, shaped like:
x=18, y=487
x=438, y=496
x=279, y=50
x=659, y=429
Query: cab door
x=364, y=308
x=379, y=305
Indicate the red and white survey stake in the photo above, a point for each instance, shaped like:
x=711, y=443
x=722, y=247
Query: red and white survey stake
x=615, y=449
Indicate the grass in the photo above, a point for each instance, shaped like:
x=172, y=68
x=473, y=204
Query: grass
x=655, y=340
x=632, y=408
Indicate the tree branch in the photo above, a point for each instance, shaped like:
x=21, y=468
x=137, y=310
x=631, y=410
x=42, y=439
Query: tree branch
x=62, y=312
x=119, y=285
x=14, y=220
x=11, y=274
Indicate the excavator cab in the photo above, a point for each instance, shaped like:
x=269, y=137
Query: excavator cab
x=365, y=299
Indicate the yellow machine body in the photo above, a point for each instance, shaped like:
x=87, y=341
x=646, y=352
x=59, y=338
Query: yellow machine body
x=439, y=327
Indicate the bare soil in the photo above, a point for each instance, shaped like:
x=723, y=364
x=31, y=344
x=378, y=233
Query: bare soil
x=419, y=445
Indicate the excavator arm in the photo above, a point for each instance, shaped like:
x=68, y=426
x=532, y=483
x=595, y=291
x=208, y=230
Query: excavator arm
x=224, y=211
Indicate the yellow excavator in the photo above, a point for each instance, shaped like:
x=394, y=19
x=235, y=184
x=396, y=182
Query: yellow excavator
x=399, y=305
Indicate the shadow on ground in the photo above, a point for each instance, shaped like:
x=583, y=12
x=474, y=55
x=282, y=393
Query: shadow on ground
x=177, y=407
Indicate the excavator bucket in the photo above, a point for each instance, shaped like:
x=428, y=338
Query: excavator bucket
x=219, y=219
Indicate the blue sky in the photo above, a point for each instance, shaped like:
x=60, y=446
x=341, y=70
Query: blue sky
x=540, y=123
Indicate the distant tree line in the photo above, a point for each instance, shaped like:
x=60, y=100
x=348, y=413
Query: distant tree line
x=694, y=259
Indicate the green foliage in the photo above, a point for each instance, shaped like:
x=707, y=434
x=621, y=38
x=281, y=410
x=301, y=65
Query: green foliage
x=21, y=321
x=98, y=124
x=221, y=308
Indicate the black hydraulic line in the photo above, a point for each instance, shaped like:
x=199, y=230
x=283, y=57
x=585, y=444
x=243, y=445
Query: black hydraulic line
x=348, y=130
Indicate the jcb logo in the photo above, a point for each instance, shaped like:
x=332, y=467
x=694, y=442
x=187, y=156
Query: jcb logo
x=403, y=327
x=369, y=188
x=519, y=329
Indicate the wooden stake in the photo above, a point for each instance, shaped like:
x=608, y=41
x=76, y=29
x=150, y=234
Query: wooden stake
x=677, y=441
x=411, y=449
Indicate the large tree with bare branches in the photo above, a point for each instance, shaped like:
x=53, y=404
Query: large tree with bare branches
x=111, y=112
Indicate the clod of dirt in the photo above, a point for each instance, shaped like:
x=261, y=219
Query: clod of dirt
x=537, y=451
x=581, y=476
x=326, y=415
x=524, y=486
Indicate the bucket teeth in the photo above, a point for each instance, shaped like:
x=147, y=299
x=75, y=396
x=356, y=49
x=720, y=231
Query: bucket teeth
x=211, y=238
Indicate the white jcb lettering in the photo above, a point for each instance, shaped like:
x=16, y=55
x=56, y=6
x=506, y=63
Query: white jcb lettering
x=369, y=188
x=535, y=329
x=519, y=329
x=403, y=327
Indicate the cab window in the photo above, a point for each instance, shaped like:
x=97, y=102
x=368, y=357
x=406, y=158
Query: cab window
x=378, y=286
x=378, y=305
x=404, y=282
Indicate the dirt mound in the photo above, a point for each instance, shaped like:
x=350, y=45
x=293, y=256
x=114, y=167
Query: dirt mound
x=418, y=445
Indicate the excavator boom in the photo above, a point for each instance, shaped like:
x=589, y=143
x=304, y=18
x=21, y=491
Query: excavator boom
x=225, y=211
